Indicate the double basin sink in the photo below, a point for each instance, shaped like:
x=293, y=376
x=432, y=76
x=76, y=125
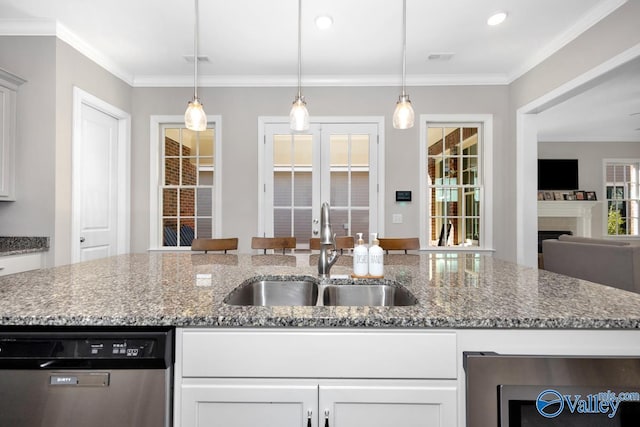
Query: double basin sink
x=309, y=291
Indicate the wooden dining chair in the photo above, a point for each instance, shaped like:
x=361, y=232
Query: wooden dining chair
x=265, y=243
x=399, y=244
x=342, y=242
x=214, y=244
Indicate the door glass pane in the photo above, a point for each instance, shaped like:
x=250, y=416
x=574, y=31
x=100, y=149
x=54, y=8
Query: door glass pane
x=339, y=188
x=170, y=232
x=349, y=171
x=187, y=202
x=340, y=221
x=172, y=171
x=292, y=181
x=302, y=186
x=302, y=225
x=281, y=222
x=360, y=223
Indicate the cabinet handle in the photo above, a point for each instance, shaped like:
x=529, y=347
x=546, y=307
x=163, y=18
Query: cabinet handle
x=309, y=412
x=326, y=418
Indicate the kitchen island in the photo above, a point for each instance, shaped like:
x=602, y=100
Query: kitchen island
x=185, y=289
x=305, y=365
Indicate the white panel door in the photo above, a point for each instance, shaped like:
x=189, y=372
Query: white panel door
x=374, y=405
x=205, y=403
x=98, y=184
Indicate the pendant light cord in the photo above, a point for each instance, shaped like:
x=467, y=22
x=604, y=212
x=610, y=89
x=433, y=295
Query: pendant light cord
x=195, y=54
x=299, y=48
x=404, y=44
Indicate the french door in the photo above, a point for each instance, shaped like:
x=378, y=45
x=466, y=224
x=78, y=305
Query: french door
x=332, y=162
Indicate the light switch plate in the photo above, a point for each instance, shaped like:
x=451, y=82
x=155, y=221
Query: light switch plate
x=396, y=218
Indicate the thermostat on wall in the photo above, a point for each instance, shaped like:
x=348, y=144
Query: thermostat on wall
x=403, y=196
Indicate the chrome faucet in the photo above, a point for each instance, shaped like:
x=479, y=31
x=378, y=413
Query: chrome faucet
x=328, y=253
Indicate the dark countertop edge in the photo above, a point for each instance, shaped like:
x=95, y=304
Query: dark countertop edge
x=288, y=323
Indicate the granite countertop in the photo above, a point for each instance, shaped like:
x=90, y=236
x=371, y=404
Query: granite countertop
x=185, y=289
x=22, y=245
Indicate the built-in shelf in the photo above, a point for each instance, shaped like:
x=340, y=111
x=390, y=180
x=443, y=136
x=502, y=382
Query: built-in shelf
x=579, y=209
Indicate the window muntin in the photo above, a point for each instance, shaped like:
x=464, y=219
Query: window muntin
x=187, y=185
x=454, y=184
x=622, y=184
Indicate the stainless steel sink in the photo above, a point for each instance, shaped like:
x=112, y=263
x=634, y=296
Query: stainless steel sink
x=276, y=291
x=304, y=291
x=367, y=295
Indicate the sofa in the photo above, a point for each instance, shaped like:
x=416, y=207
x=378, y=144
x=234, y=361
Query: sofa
x=609, y=262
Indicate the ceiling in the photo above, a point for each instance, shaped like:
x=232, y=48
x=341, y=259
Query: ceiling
x=254, y=42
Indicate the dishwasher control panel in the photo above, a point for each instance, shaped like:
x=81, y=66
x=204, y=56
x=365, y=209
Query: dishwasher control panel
x=93, y=348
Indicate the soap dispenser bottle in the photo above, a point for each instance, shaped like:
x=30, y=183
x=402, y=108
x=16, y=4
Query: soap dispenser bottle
x=360, y=258
x=376, y=261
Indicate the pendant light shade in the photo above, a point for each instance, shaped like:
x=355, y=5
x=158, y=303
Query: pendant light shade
x=299, y=116
x=194, y=118
x=403, y=116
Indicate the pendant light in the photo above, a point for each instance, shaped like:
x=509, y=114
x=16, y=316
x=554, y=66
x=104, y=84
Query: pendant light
x=403, y=116
x=195, y=118
x=299, y=116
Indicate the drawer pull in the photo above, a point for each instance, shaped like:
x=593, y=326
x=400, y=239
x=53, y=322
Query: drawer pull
x=326, y=418
x=309, y=412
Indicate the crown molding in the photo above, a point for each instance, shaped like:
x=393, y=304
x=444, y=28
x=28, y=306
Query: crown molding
x=594, y=16
x=321, y=81
x=49, y=27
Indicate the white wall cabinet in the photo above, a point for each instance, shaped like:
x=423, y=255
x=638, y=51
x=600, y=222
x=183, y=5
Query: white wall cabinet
x=343, y=378
x=8, y=94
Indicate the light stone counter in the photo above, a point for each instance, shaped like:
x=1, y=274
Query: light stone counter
x=185, y=289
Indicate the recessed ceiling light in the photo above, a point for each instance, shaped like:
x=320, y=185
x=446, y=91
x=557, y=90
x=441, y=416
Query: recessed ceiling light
x=324, y=22
x=497, y=18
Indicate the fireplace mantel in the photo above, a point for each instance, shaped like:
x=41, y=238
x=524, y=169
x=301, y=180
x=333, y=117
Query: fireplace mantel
x=579, y=209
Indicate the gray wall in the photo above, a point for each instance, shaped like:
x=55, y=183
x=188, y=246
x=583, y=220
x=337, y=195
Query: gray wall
x=590, y=156
x=74, y=69
x=610, y=37
x=240, y=109
x=43, y=135
x=32, y=214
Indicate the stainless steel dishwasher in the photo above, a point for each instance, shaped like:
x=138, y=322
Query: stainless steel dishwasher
x=85, y=377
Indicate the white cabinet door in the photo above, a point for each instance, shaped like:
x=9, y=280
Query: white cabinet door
x=8, y=89
x=372, y=405
x=205, y=403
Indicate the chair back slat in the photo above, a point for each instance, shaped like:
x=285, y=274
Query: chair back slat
x=399, y=244
x=214, y=244
x=265, y=243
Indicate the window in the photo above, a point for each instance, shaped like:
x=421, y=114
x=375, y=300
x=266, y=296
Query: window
x=456, y=209
x=184, y=205
x=622, y=196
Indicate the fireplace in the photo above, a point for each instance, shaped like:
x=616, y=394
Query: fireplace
x=580, y=211
x=545, y=391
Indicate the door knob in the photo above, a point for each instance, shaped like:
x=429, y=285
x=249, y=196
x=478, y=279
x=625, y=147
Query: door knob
x=82, y=240
x=315, y=231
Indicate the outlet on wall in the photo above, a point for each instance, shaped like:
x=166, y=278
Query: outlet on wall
x=396, y=218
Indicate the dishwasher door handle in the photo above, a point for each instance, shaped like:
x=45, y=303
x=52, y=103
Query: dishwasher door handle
x=79, y=379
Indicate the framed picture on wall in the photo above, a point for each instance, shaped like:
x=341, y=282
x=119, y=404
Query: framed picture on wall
x=580, y=195
x=591, y=195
